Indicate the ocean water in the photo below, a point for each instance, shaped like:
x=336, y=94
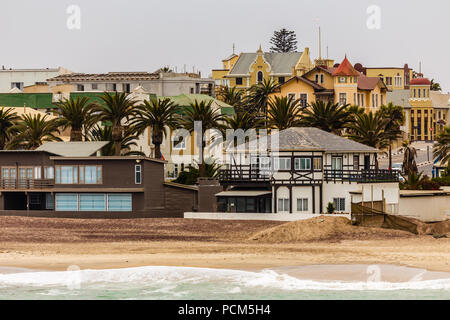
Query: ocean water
x=181, y=283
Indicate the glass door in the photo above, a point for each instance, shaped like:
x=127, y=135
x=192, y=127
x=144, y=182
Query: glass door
x=336, y=166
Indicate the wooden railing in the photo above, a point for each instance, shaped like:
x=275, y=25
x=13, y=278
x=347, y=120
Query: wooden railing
x=361, y=176
x=246, y=174
x=28, y=184
x=243, y=174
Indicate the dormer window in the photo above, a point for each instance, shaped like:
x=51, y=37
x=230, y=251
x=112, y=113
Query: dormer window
x=342, y=79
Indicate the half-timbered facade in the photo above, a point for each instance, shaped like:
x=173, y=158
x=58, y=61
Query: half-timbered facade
x=307, y=170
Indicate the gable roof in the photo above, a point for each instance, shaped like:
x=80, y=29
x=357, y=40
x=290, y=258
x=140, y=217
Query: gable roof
x=316, y=86
x=346, y=69
x=314, y=139
x=280, y=63
x=73, y=149
x=369, y=83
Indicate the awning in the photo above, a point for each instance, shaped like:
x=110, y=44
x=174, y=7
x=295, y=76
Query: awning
x=243, y=193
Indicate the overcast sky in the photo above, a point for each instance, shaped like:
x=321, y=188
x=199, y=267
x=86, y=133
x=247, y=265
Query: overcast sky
x=143, y=35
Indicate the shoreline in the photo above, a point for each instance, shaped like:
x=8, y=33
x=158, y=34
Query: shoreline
x=423, y=253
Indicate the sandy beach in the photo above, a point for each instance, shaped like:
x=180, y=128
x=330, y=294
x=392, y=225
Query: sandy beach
x=56, y=244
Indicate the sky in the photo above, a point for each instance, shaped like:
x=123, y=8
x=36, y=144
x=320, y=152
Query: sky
x=143, y=35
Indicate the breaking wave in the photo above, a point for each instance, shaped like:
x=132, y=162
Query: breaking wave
x=235, y=279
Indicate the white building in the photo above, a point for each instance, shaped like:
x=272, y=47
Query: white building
x=309, y=169
x=21, y=78
x=160, y=84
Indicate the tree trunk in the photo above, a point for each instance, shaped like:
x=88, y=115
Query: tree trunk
x=390, y=157
x=117, y=138
x=157, y=139
x=76, y=135
x=376, y=162
x=202, y=164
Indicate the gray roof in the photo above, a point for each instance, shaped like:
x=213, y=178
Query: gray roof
x=73, y=149
x=312, y=139
x=399, y=98
x=281, y=63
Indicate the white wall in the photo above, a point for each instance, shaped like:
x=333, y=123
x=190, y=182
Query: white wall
x=256, y=216
x=28, y=77
x=426, y=208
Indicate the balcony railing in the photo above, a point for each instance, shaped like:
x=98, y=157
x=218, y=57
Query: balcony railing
x=245, y=174
x=362, y=176
x=28, y=184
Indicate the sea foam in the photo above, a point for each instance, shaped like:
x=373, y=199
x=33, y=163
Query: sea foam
x=178, y=275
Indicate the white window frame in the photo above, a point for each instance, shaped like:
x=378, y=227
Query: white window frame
x=298, y=161
x=136, y=171
x=181, y=144
x=343, y=94
x=285, y=205
x=304, y=204
x=301, y=100
x=277, y=161
x=339, y=204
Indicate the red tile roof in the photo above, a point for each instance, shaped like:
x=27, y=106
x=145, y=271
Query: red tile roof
x=420, y=82
x=346, y=69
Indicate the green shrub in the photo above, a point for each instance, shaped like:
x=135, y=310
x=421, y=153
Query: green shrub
x=330, y=208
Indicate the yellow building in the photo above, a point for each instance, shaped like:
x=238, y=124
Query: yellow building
x=422, y=122
x=248, y=69
x=342, y=84
x=394, y=78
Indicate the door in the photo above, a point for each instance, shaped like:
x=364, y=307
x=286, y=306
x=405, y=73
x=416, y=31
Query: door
x=8, y=177
x=25, y=177
x=366, y=162
x=336, y=166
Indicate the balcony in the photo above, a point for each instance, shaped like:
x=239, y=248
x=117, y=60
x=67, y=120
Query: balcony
x=362, y=176
x=244, y=175
x=26, y=184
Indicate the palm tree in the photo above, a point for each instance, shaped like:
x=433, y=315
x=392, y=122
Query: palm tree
x=209, y=118
x=394, y=119
x=76, y=114
x=33, y=131
x=104, y=133
x=8, y=119
x=441, y=149
x=435, y=86
x=258, y=97
x=409, y=158
x=117, y=108
x=368, y=129
x=241, y=120
x=413, y=180
x=283, y=113
x=232, y=96
x=330, y=117
x=159, y=115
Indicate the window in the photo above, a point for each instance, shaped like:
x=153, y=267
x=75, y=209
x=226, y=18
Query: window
x=66, y=174
x=260, y=76
x=49, y=173
x=398, y=81
x=49, y=201
x=94, y=86
x=302, y=204
x=281, y=80
x=418, y=93
x=339, y=204
x=342, y=98
x=283, y=205
x=356, y=162
x=37, y=173
x=66, y=202
x=303, y=99
x=138, y=174
x=282, y=163
x=80, y=87
x=92, y=202
x=291, y=96
x=317, y=163
x=342, y=79
x=91, y=174
x=18, y=85
x=126, y=87
x=111, y=87
x=389, y=81
x=303, y=164
x=322, y=78
x=239, y=81
x=119, y=202
x=178, y=143
x=317, y=78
